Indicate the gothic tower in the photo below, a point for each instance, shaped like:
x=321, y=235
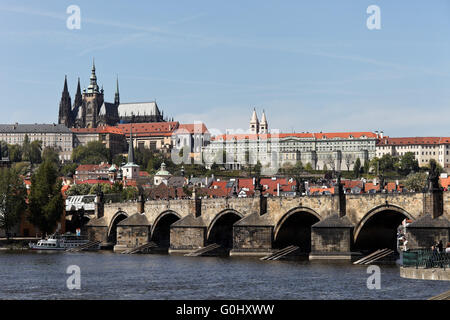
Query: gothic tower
x=92, y=101
x=116, y=96
x=77, y=108
x=65, y=107
x=254, y=123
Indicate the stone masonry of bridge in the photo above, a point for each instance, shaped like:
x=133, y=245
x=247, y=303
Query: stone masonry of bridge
x=255, y=229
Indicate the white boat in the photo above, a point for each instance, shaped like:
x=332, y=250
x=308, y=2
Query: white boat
x=59, y=242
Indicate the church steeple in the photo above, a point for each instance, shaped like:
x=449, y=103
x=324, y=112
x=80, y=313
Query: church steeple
x=130, y=147
x=65, y=106
x=93, y=87
x=263, y=126
x=254, y=123
x=117, y=96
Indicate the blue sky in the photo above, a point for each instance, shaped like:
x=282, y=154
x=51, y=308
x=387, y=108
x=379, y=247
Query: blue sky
x=311, y=65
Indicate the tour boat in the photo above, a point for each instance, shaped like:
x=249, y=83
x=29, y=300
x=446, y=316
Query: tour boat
x=59, y=242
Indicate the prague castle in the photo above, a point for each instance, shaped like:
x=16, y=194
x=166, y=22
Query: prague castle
x=90, y=110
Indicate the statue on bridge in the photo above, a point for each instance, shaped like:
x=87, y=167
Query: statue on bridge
x=382, y=182
x=300, y=187
x=433, y=178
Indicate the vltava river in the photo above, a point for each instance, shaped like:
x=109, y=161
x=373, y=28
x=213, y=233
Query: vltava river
x=105, y=275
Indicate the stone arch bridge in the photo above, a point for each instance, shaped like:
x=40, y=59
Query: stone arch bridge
x=325, y=226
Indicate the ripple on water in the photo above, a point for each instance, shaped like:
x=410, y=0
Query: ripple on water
x=29, y=275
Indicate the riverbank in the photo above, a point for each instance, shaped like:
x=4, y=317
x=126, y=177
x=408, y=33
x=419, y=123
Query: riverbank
x=16, y=243
x=425, y=274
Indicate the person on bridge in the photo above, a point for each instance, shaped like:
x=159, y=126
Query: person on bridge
x=440, y=246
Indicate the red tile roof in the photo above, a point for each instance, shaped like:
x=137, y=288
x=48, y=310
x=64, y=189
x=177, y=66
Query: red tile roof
x=413, y=141
x=101, y=129
x=445, y=182
x=192, y=128
x=149, y=129
x=325, y=135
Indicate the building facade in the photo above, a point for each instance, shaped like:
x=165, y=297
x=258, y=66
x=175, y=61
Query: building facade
x=424, y=149
x=334, y=151
x=112, y=137
x=56, y=136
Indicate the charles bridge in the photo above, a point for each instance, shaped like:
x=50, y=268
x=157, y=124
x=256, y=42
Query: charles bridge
x=323, y=226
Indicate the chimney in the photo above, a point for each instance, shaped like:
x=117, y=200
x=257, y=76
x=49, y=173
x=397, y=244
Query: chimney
x=381, y=134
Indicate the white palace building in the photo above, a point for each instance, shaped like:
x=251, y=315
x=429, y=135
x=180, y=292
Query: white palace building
x=335, y=151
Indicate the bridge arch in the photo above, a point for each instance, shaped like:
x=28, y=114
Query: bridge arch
x=160, y=230
x=220, y=230
x=294, y=228
x=112, y=229
x=378, y=228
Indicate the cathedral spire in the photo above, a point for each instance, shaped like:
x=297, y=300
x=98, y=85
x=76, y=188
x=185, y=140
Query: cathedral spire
x=78, y=98
x=65, y=106
x=93, y=87
x=117, y=96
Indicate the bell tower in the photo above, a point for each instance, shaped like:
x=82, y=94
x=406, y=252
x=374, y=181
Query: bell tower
x=92, y=100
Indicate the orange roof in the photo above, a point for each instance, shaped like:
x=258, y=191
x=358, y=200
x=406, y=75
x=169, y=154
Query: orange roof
x=149, y=129
x=325, y=135
x=445, y=182
x=193, y=128
x=101, y=129
x=321, y=190
x=413, y=141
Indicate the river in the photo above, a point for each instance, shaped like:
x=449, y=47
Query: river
x=105, y=275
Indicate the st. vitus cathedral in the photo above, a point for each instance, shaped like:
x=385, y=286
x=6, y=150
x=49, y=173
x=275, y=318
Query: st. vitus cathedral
x=90, y=110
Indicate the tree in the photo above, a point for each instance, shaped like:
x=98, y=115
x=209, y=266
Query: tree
x=45, y=199
x=3, y=149
x=94, y=152
x=35, y=152
x=129, y=193
x=79, y=189
x=15, y=152
x=69, y=169
x=348, y=158
x=50, y=154
x=119, y=159
x=357, y=168
x=408, y=163
x=416, y=182
x=12, y=198
x=298, y=167
x=366, y=166
x=26, y=148
x=308, y=167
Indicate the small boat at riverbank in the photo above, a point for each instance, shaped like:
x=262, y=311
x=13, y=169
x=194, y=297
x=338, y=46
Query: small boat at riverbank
x=59, y=242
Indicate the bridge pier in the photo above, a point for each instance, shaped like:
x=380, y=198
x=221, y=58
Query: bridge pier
x=133, y=231
x=432, y=226
x=97, y=230
x=252, y=236
x=189, y=233
x=332, y=238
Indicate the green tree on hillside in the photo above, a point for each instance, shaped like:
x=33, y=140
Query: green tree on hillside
x=94, y=152
x=12, y=199
x=45, y=199
x=50, y=154
x=408, y=163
